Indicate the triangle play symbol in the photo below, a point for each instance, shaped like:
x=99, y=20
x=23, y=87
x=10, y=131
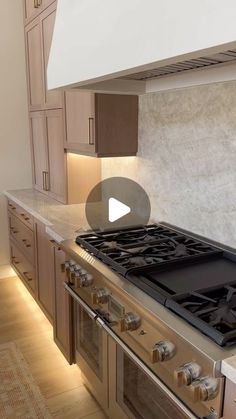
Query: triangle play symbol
x=117, y=210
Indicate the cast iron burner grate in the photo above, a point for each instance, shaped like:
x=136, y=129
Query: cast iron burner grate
x=136, y=250
x=212, y=312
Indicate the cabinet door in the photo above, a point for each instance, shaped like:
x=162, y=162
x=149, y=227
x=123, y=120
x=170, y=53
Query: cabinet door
x=44, y=270
x=34, y=65
x=30, y=8
x=62, y=308
x=80, y=121
x=54, y=98
x=57, y=155
x=39, y=150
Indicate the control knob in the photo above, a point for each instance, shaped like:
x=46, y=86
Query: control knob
x=100, y=296
x=83, y=278
x=204, y=389
x=162, y=351
x=187, y=373
x=130, y=321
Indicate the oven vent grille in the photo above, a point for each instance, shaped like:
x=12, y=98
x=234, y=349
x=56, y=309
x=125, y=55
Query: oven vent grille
x=179, y=67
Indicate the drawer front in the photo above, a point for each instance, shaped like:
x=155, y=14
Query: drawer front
x=23, y=235
x=23, y=266
x=23, y=215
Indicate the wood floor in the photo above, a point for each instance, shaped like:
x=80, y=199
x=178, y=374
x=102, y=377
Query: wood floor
x=22, y=321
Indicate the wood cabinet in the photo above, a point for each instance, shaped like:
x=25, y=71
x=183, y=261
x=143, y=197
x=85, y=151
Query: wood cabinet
x=38, y=38
x=34, y=62
x=23, y=266
x=49, y=158
x=45, y=267
x=230, y=400
x=53, y=98
x=33, y=8
x=101, y=124
x=62, y=307
x=39, y=150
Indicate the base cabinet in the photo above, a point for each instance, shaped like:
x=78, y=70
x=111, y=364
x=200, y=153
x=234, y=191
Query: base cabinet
x=230, y=400
x=44, y=270
x=62, y=307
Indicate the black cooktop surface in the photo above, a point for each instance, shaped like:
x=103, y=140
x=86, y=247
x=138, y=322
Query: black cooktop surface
x=195, y=279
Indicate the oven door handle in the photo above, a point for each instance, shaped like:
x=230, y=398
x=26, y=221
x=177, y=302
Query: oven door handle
x=149, y=373
x=79, y=300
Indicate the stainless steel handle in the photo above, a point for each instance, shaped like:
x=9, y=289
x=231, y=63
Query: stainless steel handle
x=149, y=373
x=90, y=127
x=88, y=310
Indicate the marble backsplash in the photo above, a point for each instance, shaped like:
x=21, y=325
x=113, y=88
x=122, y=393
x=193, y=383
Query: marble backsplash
x=187, y=158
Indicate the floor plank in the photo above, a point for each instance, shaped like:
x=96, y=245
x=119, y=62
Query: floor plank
x=22, y=321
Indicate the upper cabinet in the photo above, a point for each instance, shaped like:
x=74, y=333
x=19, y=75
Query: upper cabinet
x=33, y=8
x=97, y=42
x=38, y=35
x=101, y=125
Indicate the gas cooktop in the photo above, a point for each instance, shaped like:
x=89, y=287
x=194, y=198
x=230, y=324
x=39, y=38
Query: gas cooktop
x=193, y=278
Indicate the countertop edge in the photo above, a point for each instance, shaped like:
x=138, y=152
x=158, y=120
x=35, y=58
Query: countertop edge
x=28, y=209
x=228, y=369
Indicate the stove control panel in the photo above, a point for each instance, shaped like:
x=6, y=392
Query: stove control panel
x=130, y=321
x=76, y=275
x=204, y=389
x=187, y=373
x=162, y=351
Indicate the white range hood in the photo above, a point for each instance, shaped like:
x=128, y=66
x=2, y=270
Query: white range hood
x=120, y=45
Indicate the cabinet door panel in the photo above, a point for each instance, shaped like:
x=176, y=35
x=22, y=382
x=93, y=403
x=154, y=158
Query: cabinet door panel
x=80, y=120
x=57, y=156
x=62, y=308
x=54, y=98
x=34, y=65
x=39, y=148
x=44, y=270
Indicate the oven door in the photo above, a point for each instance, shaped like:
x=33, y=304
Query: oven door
x=91, y=349
x=135, y=392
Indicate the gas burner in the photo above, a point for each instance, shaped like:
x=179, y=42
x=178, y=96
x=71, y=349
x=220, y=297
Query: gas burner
x=140, y=248
x=213, y=312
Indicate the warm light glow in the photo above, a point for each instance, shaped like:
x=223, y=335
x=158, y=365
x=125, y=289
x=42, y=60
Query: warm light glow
x=6, y=271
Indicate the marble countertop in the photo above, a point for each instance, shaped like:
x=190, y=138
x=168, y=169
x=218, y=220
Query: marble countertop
x=228, y=368
x=62, y=221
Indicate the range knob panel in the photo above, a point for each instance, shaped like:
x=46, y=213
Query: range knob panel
x=187, y=373
x=204, y=389
x=100, y=296
x=83, y=279
x=162, y=351
x=130, y=321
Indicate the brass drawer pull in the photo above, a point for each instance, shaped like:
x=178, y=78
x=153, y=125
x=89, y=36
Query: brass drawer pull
x=25, y=242
x=90, y=128
x=27, y=275
x=15, y=261
x=12, y=207
x=36, y=4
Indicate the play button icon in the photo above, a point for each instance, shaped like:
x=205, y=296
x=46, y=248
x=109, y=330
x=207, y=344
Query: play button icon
x=117, y=210
x=115, y=203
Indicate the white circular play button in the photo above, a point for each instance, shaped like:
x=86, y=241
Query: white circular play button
x=117, y=202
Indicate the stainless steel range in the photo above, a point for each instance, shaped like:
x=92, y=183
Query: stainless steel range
x=155, y=316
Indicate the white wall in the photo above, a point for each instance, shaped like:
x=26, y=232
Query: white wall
x=187, y=158
x=15, y=164
x=93, y=38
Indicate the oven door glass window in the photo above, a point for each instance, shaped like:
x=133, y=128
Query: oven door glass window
x=89, y=342
x=138, y=396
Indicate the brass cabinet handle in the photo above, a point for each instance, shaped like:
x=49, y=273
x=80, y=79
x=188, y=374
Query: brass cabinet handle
x=39, y=3
x=90, y=130
x=25, y=243
x=46, y=182
x=12, y=207
x=36, y=4
x=27, y=275
x=14, y=260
